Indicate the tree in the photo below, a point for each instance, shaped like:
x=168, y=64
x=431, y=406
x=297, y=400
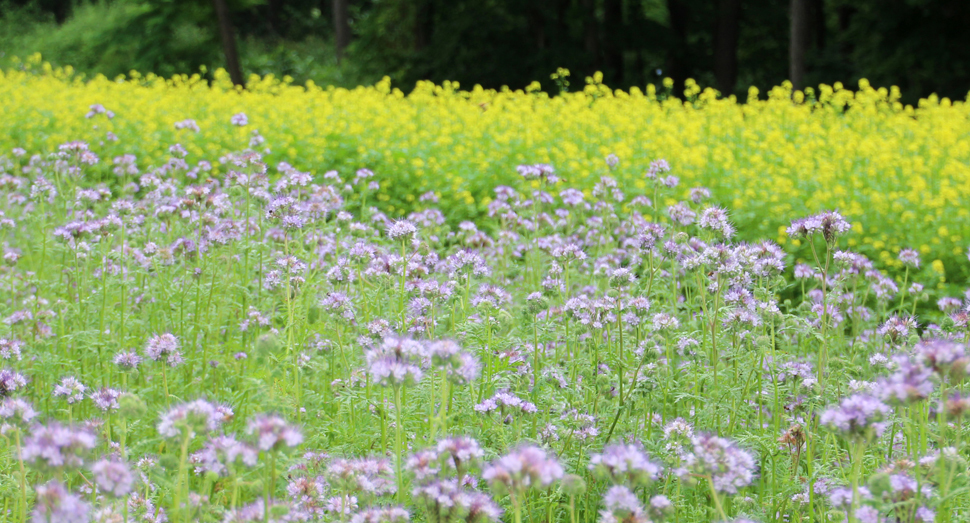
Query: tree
x=726, y=31
x=228, y=42
x=800, y=27
x=341, y=27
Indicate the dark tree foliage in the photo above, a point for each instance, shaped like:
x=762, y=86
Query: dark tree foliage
x=919, y=45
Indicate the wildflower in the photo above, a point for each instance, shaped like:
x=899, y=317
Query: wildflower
x=621, y=505
x=220, y=453
x=382, y=515
x=908, y=384
x=946, y=358
x=164, y=345
x=70, y=389
x=15, y=413
x=363, y=475
x=829, y=224
x=190, y=418
x=909, y=257
x=521, y=470
x=127, y=361
x=401, y=229
x=10, y=382
x=106, y=399
x=239, y=119
x=54, y=504
x=856, y=416
x=626, y=464
x=272, y=433
x=727, y=466
x=716, y=219
x=113, y=477
x=461, y=368
x=57, y=446
x=10, y=348
x=396, y=361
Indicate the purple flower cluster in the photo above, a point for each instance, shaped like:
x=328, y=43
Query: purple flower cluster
x=625, y=464
x=857, y=416
x=728, y=466
x=396, y=361
x=56, y=446
x=829, y=224
x=522, y=469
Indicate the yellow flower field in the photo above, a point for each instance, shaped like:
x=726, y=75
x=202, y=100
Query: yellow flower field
x=900, y=174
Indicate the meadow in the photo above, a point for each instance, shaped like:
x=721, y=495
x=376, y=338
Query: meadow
x=302, y=304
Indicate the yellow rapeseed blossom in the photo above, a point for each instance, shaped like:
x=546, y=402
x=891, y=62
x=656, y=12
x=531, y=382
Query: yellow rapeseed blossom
x=901, y=174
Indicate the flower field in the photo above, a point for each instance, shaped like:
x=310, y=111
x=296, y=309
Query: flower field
x=289, y=304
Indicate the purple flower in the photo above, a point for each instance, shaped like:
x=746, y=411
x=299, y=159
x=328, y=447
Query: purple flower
x=946, y=358
x=396, y=361
x=446, y=500
x=106, y=399
x=522, y=469
x=57, y=446
x=626, y=464
x=857, y=416
x=461, y=368
x=273, y=433
x=382, y=515
x=909, y=257
x=197, y=416
x=10, y=382
x=401, y=229
x=10, y=348
x=71, y=389
x=15, y=413
x=910, y=383
x=621, y=505
x=127, y=361
x=728, y=466
x=220, y=453
x=716, y=219
x=830, y=224
x=54, y=504
x=113, y=477
x=164, y=345
x=239, y=119
x=363, y=475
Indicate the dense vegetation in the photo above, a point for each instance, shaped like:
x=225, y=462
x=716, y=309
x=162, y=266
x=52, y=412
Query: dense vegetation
x=266, y=304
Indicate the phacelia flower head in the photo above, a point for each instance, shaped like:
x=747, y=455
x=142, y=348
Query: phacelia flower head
x=401, y=230
x=10, y=382
x=55, y=504
x=522, y=469
x=857, y=416
x=194, y=417
x=222, y=452
x=728, y=466
x=56, y=446
x=70, y=389
x=910, y=258
x=830, y=224
x=113, y=477
x=396, y=361
x=625, y=464
x=273, y=432
x=946, y=358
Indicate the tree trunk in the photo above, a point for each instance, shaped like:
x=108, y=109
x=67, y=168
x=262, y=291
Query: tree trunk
x=228, y=42
x=590, y=33
x=726, y=45
x=424, y=25
x=612, y=40
x=341, y=27
x=678, y=54
x=800, y=25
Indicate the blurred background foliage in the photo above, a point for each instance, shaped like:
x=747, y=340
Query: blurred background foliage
x=919, y=45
